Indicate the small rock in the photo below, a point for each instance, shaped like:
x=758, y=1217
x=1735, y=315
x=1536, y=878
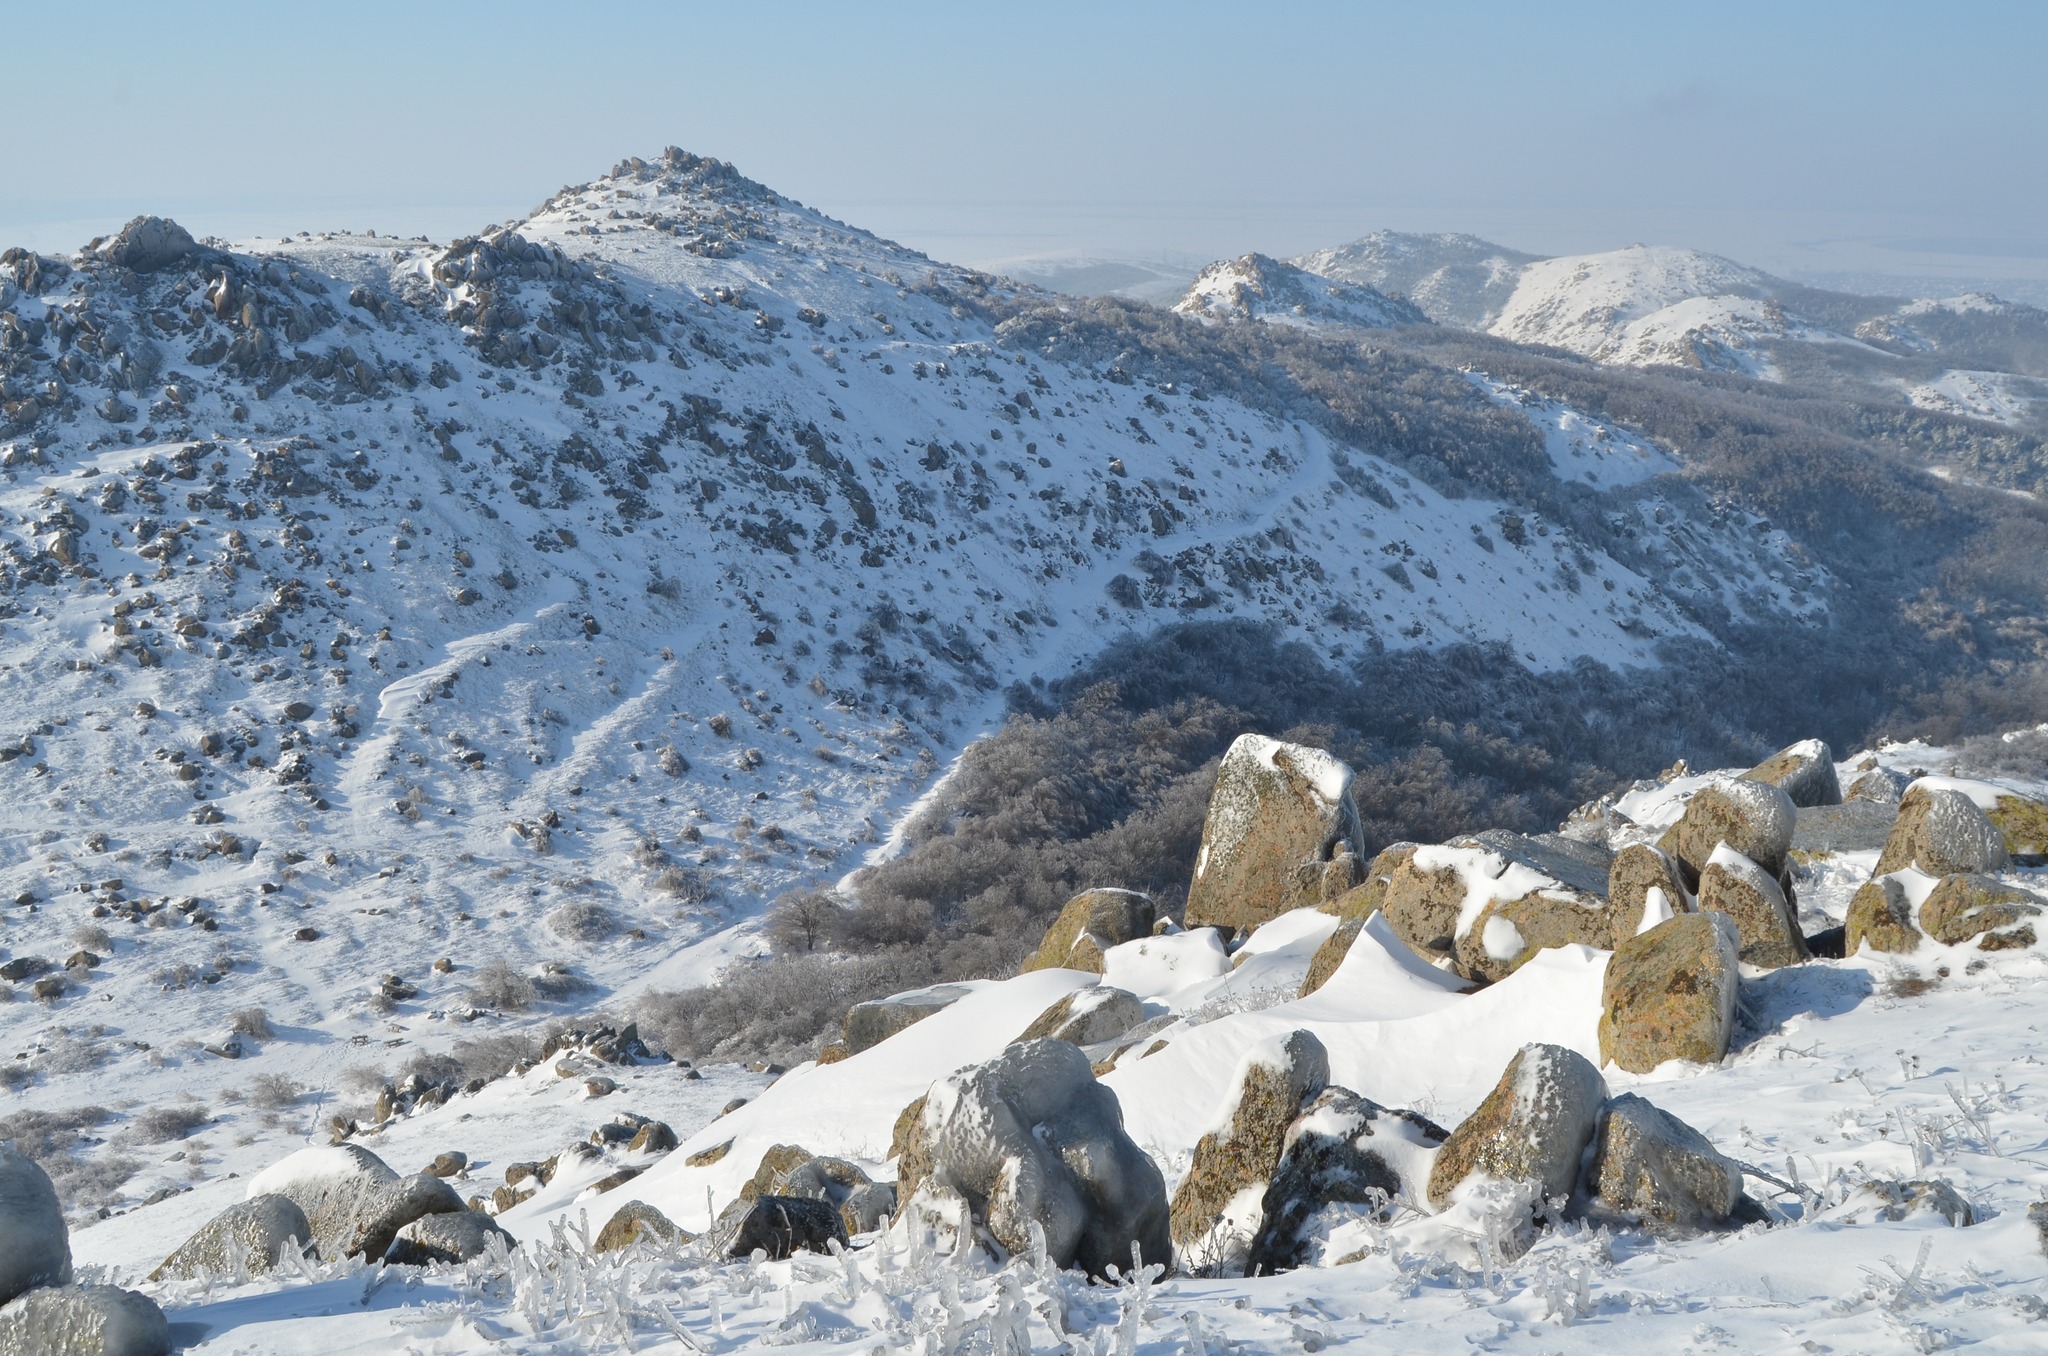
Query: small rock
x=450, y=1164
x=652, y=1138
x=634, y=1221
x=1964, y=906
x=613, y=1180
x=1805, y=772
x=1091, y=923
x=1881, y=918
x=1896, y=1201
x=1275, y=1079
x=1087, y=1016
x=1941, y=832
x=599, y=1086
x=869, y=1024
x=1669, y=993
x=454, y=1236
x=1880, y=785
x=1644, y=887
x=1532, y=1127
x=1280, y=814
x=1764, y=920
x=1650, y=1167
x=306, y=935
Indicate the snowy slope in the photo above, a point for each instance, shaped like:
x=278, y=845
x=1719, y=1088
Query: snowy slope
x=1255, y=287
x=1456, y=279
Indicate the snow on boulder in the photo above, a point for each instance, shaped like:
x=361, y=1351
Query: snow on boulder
x=869, y=1024
x=1281, y=834
x=1651, y=1168
x=1216, y=1208
x=633, y=1221
x=311, y=1173
x=1087, y=1017
x=249, y=1235
x=1942, y=831
x=1644, y=887
x=35, y=1247
x=354, y=1203
x=1091, y=923
x=1998, y=915
x=1754, y=818
x=1532, y=1128
x=147, y=244
x=1805, y=772
x=1487, y=906
x=84, y=1320
x=452, y=1236
x=1880, y=917
x=1154, y=966
x=1030, y=1138
x=1343, y=1150
x=1670, y=993
x=1764, y=919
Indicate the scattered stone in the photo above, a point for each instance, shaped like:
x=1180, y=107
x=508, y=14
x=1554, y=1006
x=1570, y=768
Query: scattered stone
x=24, y=967
x=1342, y=1149
x=1091, y=923
x=1756, y=819
x=781, y=1225
x=1764, y=920
x=84, y=1320
x=261, y=1228
x=613, y=1180
x=1805, y=772
x=1893, y=1202
x=1965, y=906
x=1031, y=1137
x=1941, y=832
x=1275, y=1079
x=1880, y=917
x=634, y=1221
x=1281, y=814
x=1881, y=786
x=1087, y=1016
x=1644, y=887
x=860, y=1201
x=1670, y=993
x=599, y=1086
x=450, y=1164
x=1532, y=1127
x=654, y=1137
x=35, y=1247
x=1654, y=1169
x=704, y=1158
x=869, y=1024
x=455, y=1236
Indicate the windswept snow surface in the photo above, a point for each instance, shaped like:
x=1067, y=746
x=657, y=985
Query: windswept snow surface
x=1581, y=447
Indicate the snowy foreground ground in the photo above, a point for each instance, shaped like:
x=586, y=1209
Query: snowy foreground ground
x=1845, y=1072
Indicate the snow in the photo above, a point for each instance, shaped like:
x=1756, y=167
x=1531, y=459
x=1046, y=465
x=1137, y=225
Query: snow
x=1581, y=447
x=2000, y=397
x=1487, y=876
x=1151, y=967
x=1258, y=288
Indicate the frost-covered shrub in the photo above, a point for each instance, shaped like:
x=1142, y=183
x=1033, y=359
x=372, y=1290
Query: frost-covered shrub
x=582, y=920
x=273, y=1091
x=254, y=1022
x=501, y=988
x=162, y=1124
x=94, y=938
x=493, y=1055
x=68, y=1050
x=361, y=1080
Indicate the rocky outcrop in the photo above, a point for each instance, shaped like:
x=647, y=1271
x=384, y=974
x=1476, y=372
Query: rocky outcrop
x=1532, y=1127
x=781, y=1225
x=1764, y=920
x=259, y=1228
x=1489, y=903
x=1880, y=917
x=1670, y=993
x=1273, y=1082
x=1756, y=819
x=1805, y=772
x=1342, y=1149
x=353, y=1202
x=454, y=1237
x=1031, y=1138
x=1091, y=923
x=1965, y=906
x=84, y=1320
x=1651, y=1168
x=1941, y=832
x=1087, y=1016
x=1279, y=827
x=147, y=244
x=1644, y=887
x=869, y=1024
x=35, y=1246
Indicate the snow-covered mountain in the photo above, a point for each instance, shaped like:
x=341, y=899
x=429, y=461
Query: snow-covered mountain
x=1456, y=279
x=1256, y=287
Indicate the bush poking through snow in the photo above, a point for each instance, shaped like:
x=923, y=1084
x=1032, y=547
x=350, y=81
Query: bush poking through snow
x=252, y=1022
x=501, y=988
x=163, y=1124
x=582, y=920
x=273, y=1092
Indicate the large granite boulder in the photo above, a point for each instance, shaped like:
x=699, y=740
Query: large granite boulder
x=1756, y=819
x=1670, y=993
x=147, y=244
x=869, y=1024
x=1742, y=889
x=2022, y=822
x=84, y=1320
x=260, y=1229
x=1087, y=1016
x=1649, y=1167
x=354, y=1203
x=1533, y=1127
x=1490, y=902
x=1805, y=772
x=1881, y=917
x=1091, y=923
x=1280, y=828
x=1031, y=1137
x=1941, y=832
x=1274, y=1079
x=1998, y=915
x=1341, y=1150
x=781, y=1225
x=35, y=1246
x=448, y=1238
x=1644, y=887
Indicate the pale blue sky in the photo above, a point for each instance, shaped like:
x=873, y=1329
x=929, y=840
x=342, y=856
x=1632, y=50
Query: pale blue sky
x=1790, y=135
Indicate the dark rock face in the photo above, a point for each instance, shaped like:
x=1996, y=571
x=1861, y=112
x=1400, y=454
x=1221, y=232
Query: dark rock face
x=35, y=1246
x=1532, y=1127
x=1342, y=1149
x=781, y=1225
